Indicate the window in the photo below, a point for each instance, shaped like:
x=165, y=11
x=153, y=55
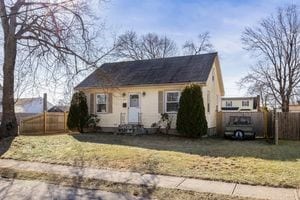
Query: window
x=208, y=101
x=134, y=100
x=245, y=103
x=101, y=102
x=228, y=103
x=213, y=75
x=172, y=101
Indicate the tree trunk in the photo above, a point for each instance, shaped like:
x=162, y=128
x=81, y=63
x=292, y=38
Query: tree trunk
x=9, y=126
x=285, y=104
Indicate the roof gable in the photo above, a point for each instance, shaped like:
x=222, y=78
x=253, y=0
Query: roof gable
x=182, y=69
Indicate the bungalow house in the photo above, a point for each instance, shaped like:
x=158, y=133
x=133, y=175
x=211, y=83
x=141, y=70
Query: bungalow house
x=138, y=92
x=31, y=105
x=27, y=105
x=295, y=107
x=59, y=109
x=240, y=104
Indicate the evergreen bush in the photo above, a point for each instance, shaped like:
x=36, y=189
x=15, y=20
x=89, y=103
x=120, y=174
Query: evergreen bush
x=191, y=120
x=78, y=113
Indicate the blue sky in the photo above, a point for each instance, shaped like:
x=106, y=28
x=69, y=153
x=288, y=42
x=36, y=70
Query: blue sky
x=183, y=20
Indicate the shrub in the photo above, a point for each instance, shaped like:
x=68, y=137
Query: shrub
x=191, y=120
x=78, y=114
x=164, y=122
x=93, y=121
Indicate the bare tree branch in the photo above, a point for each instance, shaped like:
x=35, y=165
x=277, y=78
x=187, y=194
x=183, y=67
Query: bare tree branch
x=203, y=45
x=276, y=43
x=45, y=41
x=148, y=46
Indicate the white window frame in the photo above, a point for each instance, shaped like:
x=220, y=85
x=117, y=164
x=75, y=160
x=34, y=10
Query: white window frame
x=106, y=103
x=166, y=100
x=245, y=103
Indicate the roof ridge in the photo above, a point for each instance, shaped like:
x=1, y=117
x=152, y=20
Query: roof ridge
x=164, y=58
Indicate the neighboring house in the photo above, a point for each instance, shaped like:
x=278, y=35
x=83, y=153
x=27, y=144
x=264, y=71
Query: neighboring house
x=295, y=107
x=30, y=105
x=59, y=109
x=138, y=92
x=26, y=105
x=241, y=104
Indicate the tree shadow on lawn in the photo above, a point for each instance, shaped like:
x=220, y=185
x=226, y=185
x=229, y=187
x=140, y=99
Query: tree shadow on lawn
x=75, y=184
x=213, y=147
x=146, y=189
x=5, y=144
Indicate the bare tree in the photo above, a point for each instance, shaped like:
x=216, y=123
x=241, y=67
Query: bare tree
x=148, y=46
x=203, y=45
x=276, y=43
x=56, y=37
x=155, y=46
x=128, y=46
x=256, y=87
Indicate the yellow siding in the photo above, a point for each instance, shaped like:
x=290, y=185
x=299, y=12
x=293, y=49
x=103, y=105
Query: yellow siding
x=215, y=97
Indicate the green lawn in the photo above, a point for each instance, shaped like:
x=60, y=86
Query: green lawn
x=252, y=162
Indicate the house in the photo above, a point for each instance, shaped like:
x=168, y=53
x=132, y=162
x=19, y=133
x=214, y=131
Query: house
x=59, y=109
x=138, y=92
x=240, y=104
x=295, y=107
x=30, y=105
x=26, y=105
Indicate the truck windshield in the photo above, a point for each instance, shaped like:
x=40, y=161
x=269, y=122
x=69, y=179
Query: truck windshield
x=239, y=120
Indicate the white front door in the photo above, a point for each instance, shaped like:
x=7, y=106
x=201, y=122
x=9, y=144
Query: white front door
x=133, y=108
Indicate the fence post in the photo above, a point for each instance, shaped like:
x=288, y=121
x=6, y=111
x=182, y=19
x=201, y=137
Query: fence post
x=276, y=129
x=45, y=122
x=20, y=127
x=65, y=121
x=265, y=119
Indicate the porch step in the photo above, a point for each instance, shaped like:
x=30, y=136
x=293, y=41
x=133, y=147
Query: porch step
x=134, y=129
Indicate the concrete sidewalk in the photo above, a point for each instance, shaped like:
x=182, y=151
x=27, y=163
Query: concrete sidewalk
x=197, y=185
x=23, y=189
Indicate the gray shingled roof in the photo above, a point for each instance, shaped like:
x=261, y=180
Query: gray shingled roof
x=194, y=68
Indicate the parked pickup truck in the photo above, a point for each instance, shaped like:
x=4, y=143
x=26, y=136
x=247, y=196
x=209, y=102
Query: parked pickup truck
x=239, y=127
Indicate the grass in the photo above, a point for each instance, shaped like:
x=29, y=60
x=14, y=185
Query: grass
x=94, y=184
x=252, y=162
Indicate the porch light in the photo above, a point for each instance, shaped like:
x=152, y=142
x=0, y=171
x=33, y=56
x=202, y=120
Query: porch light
x=144, y=93
x=124, y=94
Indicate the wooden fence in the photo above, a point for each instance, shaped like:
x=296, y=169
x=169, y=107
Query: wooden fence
x=288, y=125
x=259, y=120
x=45, y=123
x=264, y=123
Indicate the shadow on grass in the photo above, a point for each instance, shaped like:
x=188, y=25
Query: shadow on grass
x=76, y=186
x=213, y=147
x=80, y=180
x=5, y=144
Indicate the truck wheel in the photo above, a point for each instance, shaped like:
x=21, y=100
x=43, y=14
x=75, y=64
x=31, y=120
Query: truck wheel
x=239, y=135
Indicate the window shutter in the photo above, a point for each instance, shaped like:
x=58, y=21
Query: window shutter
x=160, y=102
x=92, y=103
x=109, y=109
